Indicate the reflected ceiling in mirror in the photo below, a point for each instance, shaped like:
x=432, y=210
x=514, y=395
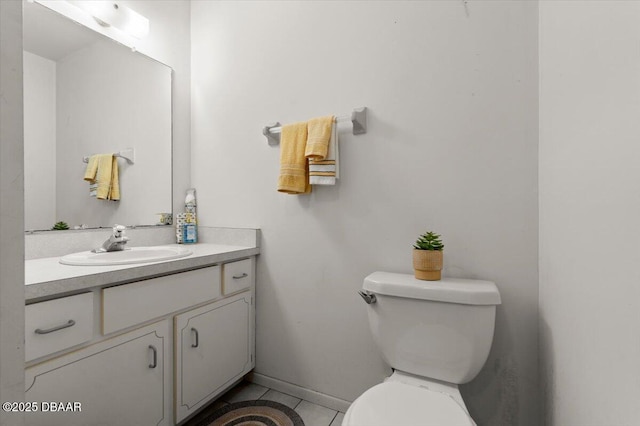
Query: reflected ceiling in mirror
x=85, y=94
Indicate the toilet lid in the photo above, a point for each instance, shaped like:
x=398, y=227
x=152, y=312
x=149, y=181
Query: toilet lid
x=394, y=403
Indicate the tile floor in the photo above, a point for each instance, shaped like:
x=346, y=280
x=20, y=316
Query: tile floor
x=312, y=414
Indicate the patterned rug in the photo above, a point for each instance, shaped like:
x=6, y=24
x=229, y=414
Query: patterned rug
x=253, y=413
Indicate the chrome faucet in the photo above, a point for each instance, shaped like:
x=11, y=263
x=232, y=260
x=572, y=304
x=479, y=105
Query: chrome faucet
x=115, y=242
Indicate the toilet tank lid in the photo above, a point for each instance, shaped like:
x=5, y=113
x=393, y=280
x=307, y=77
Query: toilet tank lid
x=450, y=290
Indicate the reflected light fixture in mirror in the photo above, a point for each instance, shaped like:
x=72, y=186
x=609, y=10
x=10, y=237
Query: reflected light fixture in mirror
x=110, y=15
x=114, y=14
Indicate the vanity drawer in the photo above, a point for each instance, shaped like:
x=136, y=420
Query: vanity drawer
x=130, y=304
x=57, y=324
x=236, y=276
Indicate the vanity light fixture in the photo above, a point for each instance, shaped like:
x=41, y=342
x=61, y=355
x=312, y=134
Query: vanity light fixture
x=116, y=15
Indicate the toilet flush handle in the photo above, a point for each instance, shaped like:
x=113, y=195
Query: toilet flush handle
x=368, y=297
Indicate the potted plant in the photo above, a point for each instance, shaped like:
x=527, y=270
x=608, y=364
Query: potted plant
x=60, y=226
x=427, y=257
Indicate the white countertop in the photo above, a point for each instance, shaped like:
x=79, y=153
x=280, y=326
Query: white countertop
x=47, y=277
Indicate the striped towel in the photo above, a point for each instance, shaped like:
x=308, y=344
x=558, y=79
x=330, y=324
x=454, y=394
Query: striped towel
x=327, y=170
x=93, y=189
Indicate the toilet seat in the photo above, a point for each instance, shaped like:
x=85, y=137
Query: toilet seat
x=400, y=404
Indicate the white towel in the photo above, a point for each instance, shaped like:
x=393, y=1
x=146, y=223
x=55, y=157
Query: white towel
x=325, y=172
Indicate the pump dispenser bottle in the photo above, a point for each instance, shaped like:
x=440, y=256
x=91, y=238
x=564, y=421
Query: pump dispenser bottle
x=190, y=235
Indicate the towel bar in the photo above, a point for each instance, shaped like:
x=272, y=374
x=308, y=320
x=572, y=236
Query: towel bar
x=128, y=154
x=358, y=118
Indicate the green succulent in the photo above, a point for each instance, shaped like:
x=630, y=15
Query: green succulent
x=429, y=241
x=60, y=226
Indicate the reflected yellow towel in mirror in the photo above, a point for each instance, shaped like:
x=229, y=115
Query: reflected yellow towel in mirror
x=102, y=175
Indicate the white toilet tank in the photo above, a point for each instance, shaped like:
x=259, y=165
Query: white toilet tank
x=436, y=329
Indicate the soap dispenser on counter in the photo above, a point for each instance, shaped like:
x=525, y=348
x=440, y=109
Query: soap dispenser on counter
x=190, y=201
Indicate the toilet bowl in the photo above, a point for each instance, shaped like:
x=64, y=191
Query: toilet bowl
x=435, y=335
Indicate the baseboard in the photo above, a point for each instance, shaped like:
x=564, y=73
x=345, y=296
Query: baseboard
x=299, y=392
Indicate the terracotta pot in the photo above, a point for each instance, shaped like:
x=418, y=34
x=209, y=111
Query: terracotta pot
x=427, y=264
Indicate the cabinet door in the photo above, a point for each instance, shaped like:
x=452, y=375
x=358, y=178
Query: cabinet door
x=121, y=381
x=213, y=349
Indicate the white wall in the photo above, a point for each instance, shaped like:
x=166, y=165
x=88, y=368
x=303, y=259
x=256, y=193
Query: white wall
x=589, y=210
x=39, y=141
x=101, y=108
x=451, y=146
x=11, y=211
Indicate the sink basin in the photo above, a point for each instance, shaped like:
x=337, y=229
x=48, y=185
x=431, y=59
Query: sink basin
x=125, y=257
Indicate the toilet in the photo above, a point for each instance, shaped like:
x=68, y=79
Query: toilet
x=435, y=335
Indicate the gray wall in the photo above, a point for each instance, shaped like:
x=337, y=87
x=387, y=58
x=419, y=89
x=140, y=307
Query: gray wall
x=11, y=211
x=589, y=210
x=452, y=146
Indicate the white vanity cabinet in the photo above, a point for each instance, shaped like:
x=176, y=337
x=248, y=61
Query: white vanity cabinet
x=214, y=349
x=150, y=352
x=119, y=381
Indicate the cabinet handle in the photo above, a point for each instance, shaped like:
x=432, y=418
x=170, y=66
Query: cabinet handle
x=237, y=277
x=197, y=343
x=68, y=324
x=154, y=364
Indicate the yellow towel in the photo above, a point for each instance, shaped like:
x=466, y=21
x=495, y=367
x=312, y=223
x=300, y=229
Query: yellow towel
x=92, y=168
x=103, y=171
x=294, y=167
x=114, y=189
x=318, y=139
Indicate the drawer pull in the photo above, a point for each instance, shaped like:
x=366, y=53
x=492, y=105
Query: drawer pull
x=197, y=343
x=68, y=324
x=237, y=277
x=154, y=364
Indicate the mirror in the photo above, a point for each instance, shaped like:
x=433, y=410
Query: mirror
x=85, y=94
